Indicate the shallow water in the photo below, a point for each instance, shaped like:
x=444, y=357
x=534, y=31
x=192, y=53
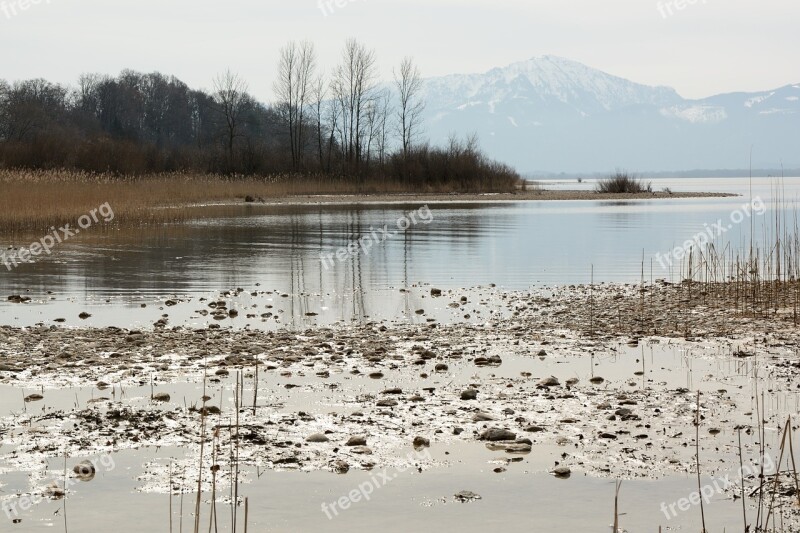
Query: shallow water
x=523, y=498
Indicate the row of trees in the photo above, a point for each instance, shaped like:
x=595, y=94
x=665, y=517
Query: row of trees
x=350, y=112
x=343, y=125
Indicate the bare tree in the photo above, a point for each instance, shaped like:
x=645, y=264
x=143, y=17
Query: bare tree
x=230, y=96
x=318, y=95
x=354, y=84
x=296, y=67
x=383, y=127
x=409, y=115
x=378, y=111
x=334, y=115
x=31, y=107
x=5, y=94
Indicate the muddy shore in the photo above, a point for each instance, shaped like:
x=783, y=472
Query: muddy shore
x=357, y=397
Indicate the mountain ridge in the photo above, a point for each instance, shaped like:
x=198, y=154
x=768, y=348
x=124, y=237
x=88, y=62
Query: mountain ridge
x=554, y=114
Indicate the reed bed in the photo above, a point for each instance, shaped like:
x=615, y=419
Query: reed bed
x=34, y=201
x=749, y=279
x=757, y=280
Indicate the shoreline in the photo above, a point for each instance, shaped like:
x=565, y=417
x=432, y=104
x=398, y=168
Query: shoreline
x=441, y=198
x=140, y=205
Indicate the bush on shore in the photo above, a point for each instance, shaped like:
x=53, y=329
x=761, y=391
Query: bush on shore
x=623, y=183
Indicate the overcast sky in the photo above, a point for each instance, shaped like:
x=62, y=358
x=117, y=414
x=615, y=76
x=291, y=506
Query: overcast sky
x=707, y=47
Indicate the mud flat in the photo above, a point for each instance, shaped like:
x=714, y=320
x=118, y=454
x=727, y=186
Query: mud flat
x=602, y=380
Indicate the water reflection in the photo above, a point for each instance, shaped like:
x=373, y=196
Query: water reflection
x=278, y=248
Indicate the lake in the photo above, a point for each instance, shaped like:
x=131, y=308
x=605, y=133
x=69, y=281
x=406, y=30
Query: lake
x=287, y=266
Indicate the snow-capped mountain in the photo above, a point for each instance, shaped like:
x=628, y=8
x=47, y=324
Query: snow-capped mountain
x=552, y=114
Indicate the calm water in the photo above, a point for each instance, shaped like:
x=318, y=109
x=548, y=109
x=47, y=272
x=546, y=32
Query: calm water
x=515, y=245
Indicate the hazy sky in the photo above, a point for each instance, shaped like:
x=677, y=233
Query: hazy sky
x=707, y=47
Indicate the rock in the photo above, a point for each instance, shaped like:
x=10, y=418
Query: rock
x=436, y=292
x=341, y=467
x=609, y=436
x=84, y=315
x=53, y=491
x=421, y=443
x=494, y=360
x=387, y=403
x=513, y=447
x=552, y=381
x=561, y=472
x=469, y=394
x=357, y=440
x=34, y=398
x=466, y=496
x=481, y=417
x=361, y=450
x=17, y=299
x=161, y=397
x=458, y=431
x=441, y=367
x=597, y=380
x=534, y=429
x=85, y=470
x=497, y=434
x=317, y=437
x=393, y=391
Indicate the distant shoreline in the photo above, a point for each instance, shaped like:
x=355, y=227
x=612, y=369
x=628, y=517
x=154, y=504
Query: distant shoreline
x=521, y=196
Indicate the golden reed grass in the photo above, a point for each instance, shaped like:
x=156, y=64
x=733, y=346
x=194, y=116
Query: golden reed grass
x=33, y=201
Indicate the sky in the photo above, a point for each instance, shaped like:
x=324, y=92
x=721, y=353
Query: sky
x=699, y=47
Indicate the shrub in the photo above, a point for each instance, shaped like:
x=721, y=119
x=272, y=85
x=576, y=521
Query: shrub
x=621, y=183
